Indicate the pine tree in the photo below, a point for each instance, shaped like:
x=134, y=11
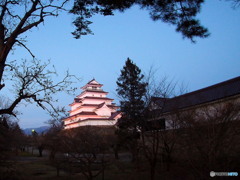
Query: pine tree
x=131, y=89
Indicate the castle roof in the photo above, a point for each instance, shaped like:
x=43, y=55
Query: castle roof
x=92, y=83
x=114, y=114
x=82, y=113
x=92, y=97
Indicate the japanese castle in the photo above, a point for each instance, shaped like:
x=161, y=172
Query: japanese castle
x=92, y=108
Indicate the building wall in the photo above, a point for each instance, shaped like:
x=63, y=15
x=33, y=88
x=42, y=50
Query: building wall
x=104, y=111
x=203, y=112
x=92, y=123
x=92, y=94
x=96, y=101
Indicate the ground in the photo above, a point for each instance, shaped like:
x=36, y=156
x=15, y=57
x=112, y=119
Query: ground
x=27, y=166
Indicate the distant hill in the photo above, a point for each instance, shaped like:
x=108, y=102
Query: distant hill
x=39, y=130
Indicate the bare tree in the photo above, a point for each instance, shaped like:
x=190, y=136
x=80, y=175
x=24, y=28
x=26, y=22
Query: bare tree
x=210, y=136
x=16, y=18
x=158, y=142
x=86, y=148
x=53, y=137
x=33, y=83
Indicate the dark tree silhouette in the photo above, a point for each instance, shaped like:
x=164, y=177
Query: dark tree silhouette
x=53, y=137
x=209, y=137
x=86, y=148
x=157, y=142
x=16, y=18
x=33, y=83
x=131, y=89
x=11, y=140
x=182, y=14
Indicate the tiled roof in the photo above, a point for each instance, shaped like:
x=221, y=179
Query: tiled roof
x=87, y=113
x=212, y=93
x=90, y=82
x=82, y=113
x=103, y=119
x=90, y=105
x=95, y=91
x=100, y=105
x=92, y=97
x=114, y=114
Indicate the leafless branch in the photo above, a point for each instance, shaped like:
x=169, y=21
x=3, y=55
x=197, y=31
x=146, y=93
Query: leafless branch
x=33, y=83
x=19, y=42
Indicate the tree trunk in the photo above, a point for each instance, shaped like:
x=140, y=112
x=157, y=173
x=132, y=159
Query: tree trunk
x=52, y=155
x=4, y=51
x=152, y=170
x=169, y=160
x=40, y=150
x=134, y=150
x=58, y=170
x=2, y=65
x=115, y=149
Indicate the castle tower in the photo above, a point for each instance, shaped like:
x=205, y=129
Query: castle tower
x=92, y=108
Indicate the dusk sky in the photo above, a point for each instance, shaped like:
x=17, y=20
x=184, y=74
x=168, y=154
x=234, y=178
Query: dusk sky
x=133, y=34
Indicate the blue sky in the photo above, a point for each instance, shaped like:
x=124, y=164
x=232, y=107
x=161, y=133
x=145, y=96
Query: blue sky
x=133, y=34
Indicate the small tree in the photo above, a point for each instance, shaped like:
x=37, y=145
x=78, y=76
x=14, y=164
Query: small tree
x=131, y=90
x=39, y=141
x=11, y=139
x=86, y=148
x=53, y=142
x=156, y=142
x=53, y=137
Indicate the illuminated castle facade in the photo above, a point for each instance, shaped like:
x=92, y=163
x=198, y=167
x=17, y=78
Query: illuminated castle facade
x=92, y=108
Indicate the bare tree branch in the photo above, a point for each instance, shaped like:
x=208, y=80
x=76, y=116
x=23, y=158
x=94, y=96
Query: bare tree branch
x=13, y=24
x=33, y=83
x=19, y=42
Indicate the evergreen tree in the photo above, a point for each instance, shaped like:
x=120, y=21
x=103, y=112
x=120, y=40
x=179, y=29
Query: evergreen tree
x=131, y=89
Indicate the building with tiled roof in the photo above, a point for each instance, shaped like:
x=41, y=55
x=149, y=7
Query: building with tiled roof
x=92, y=108
x=163, y=109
